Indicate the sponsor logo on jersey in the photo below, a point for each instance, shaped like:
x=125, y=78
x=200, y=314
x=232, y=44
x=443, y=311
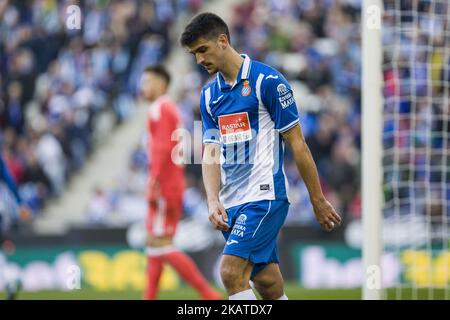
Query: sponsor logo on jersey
x=235, y=128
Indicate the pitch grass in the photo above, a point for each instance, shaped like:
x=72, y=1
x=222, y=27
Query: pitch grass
x=293, y=291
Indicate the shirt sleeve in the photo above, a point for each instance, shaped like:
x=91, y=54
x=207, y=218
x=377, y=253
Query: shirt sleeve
x=277, y=96
x=209, y=125
x=8, y=179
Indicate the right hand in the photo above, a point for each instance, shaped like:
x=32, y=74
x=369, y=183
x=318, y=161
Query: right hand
x=218, y=215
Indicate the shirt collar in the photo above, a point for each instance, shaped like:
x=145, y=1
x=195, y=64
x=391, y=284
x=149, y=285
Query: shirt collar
x=159, y=100
x=244, y=73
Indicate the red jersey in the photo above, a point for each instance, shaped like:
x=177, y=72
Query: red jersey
x=162, y=120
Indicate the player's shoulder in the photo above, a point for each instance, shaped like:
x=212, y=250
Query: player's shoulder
x=166, y=103
x=168, y=106
x=269, y=72
x=272, y=79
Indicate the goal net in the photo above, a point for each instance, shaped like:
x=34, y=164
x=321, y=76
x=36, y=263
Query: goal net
x=416, y=146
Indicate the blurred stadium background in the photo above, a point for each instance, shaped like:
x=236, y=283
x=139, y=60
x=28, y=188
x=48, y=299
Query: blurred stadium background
x=72, y=133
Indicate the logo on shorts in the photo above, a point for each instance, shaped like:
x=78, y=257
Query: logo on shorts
x=241, y=219
x=239, y=226
x=246, y=89
x=264, y=187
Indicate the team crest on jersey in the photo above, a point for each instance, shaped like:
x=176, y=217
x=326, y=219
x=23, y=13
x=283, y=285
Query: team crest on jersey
x=246, y=89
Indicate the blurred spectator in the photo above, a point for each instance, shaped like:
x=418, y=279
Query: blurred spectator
x=98, y=207
x=51, y=158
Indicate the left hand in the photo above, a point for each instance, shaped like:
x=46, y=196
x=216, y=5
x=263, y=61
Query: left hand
x=326, y=215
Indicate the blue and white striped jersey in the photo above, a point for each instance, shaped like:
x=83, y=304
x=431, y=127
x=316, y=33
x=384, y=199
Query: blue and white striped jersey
x=246, y=120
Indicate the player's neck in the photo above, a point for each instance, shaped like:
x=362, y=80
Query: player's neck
x=157, y=97
x=232, y=66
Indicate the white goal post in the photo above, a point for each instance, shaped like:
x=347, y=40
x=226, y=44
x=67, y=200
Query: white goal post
x=372, y=108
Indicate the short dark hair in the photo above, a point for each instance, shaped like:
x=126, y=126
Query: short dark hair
x=160, y=70
x=207, y=25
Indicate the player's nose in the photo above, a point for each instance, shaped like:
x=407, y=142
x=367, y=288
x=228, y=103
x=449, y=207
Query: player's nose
x=200, y=59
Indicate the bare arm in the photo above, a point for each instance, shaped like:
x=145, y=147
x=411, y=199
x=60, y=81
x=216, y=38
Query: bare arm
x=211, y=180
x=324, y=211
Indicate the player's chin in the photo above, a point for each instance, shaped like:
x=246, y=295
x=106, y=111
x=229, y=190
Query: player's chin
x=211, y=69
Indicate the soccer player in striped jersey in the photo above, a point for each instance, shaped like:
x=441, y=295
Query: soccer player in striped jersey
x=248, y=114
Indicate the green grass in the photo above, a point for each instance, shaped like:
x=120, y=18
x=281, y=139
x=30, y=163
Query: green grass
x=294, y=292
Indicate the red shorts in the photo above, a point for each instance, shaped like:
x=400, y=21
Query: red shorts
x=163, y=217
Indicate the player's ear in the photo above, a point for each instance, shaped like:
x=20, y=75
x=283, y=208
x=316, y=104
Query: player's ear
x=222, y=40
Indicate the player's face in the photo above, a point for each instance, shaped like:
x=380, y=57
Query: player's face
x=148, y=86
x=208, y=53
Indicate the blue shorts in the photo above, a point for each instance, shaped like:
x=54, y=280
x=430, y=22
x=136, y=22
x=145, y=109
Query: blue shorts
x=253, y=232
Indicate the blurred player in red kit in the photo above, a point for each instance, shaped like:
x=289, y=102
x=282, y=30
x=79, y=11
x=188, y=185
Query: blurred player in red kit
x=165, y=188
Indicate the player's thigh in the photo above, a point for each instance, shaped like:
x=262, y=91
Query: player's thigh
x=268, y=277
x=234, y=267
x=272, y=259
